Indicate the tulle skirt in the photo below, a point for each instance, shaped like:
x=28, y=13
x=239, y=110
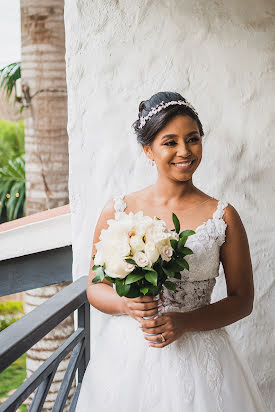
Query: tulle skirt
x=199, y=372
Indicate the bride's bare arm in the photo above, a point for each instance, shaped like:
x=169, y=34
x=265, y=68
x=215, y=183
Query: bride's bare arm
x=102, y=295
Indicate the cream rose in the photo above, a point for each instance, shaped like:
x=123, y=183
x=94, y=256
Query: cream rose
x=141, y=259
x=151, y=251
x=137, y=244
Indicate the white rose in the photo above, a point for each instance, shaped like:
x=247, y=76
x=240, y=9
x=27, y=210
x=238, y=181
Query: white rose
x=136, y=243
x=151, y=251
x=98, y=260
x=115, y=267
x=166, y=252
x=141, y=259
x=129, y=267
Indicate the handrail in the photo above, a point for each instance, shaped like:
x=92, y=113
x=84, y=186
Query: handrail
x=28, y=330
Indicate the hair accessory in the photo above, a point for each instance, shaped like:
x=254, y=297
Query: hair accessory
x=161, y=106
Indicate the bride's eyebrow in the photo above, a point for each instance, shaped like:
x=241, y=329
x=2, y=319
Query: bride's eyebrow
x=175, y=135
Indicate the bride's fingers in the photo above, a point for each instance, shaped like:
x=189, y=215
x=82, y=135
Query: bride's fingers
x=145, y=306
x=144, y=299
x=142, y=313
x=157, y=338
x=156, y=329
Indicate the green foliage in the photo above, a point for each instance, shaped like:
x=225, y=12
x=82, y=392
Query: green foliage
x=12, y=169
x=4, y=323
x=12, y=377
x=9, y=75
x=12, y=181
x=11, y=306
x=8, y=309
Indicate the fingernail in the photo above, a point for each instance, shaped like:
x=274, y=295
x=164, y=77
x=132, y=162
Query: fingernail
x=156, y=297
x=155, y=317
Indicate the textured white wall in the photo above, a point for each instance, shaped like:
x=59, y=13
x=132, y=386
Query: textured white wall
x=219, y=55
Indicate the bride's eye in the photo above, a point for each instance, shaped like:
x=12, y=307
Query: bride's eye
x=196, y=138
x=170, y=141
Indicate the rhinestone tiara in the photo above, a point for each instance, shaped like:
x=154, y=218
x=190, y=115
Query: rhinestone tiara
x=161, y=106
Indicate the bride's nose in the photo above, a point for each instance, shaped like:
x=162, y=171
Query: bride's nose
x=183, y=150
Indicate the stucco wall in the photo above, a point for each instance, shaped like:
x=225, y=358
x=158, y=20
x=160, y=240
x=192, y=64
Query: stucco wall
x=219, y=55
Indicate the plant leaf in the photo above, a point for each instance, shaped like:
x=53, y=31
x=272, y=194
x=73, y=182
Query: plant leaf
x=176, y=222
x=121, y=288
x=131, y=278
x=174, y=243
x=152, y=277
x=182, y=241
x=99, y=271
x=144, y=290
x=170, y=285
x=129, y=260
x=168, y=272
x=187, y=232
x=183, y=263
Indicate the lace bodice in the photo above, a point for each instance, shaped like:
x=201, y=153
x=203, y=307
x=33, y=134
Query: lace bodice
x=195, y=287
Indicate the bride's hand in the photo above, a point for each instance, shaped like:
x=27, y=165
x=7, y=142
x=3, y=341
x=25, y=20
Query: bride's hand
x=172, y=325
x=141, y=306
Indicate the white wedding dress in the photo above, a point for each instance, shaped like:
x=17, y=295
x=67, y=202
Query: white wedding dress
x=201, y=371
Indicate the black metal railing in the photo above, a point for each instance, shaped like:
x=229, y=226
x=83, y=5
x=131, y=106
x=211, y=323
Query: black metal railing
x=24, y=333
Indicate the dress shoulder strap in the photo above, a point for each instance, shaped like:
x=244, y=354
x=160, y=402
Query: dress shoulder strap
x=119, y=204
x=219, y=212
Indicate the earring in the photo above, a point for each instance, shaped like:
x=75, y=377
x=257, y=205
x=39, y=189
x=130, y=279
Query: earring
x=152, y=162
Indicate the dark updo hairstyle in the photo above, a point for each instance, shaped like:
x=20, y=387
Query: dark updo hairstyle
x=146, y=135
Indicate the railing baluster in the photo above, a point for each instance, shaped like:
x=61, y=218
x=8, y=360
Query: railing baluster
x=84, y=322
x=41, y=393
x=68, y=378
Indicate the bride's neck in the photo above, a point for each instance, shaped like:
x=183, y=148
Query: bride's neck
x=168, y=189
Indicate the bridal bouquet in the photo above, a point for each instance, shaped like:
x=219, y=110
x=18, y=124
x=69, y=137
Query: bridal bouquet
x=139, y=254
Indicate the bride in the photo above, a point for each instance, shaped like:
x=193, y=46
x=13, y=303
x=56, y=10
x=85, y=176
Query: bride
x=174, y=354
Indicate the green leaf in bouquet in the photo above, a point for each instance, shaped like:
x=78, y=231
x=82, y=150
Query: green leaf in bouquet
x=131, y=278
x=110, y=279
x=93, y=256
x=168, y=272
x=129, y=260
x=96, y=279
x=144, y=290
x=152, y=277
x=99, y=271
x=121, y=288
x=148, y=268
x=187, y=233
x=133, y=291
x=170, y=285
x=177, y=275
x=181, y=242
x=174, y=243
x=176, y=222
x=96, y=266
x=173, y=266
x=183, y=263
x=187, y=251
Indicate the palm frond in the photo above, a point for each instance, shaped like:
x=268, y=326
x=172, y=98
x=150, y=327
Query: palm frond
x=12, y=181
x=9, y=75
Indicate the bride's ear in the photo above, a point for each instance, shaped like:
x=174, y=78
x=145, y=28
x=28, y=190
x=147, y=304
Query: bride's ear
x=148, y=152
